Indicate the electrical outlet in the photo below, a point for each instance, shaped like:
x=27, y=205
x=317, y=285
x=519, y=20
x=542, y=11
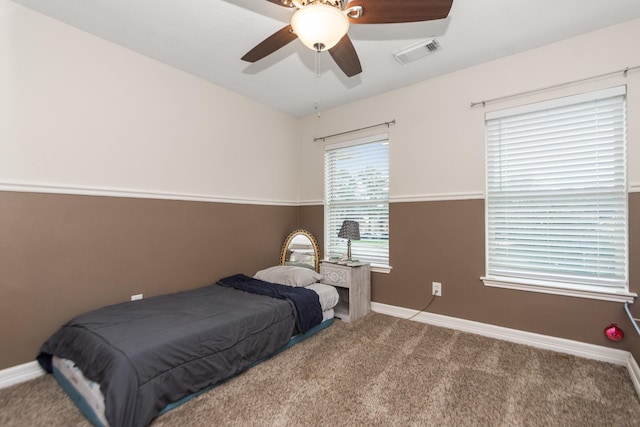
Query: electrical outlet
x=136, y=297
x=436, y=289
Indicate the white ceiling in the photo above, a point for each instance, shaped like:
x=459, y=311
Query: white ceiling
x=206, y=38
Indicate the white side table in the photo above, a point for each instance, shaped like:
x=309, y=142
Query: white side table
x=353, y=283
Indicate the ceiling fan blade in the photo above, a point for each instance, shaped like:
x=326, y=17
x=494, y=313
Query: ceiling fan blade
x=269, y=45
x=388, y=12
x=346, y=57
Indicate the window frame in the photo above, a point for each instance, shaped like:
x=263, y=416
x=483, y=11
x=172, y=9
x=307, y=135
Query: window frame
x=557, y=286
x=375, y=266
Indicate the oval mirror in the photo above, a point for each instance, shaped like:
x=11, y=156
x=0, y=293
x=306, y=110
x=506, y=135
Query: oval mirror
x=300, y=248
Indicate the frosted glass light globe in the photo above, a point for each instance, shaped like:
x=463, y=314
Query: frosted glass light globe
x=320, y=26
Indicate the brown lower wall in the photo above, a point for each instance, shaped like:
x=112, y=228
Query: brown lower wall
x=61, y=255
x=443, y=241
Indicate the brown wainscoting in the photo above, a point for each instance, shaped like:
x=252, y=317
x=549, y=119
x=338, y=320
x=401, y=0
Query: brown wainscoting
x=443, y=241
x=61, y=255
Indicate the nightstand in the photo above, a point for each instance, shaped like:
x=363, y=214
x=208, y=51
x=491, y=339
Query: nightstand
x=354, y=287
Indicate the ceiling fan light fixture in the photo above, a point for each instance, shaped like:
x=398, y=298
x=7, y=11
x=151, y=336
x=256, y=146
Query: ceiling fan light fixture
x=320, y=26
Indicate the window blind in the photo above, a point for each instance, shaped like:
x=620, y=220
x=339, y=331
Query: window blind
x=557, y=192
x=357, y=188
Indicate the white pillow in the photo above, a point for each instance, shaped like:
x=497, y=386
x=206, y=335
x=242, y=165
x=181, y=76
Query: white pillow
x=288, y=275
x=299, y=256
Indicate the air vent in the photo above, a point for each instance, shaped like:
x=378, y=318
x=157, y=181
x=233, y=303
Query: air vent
x=417, y=51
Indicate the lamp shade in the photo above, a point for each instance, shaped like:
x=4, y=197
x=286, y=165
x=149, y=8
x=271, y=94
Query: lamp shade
x=350, y=230
x=320, y=26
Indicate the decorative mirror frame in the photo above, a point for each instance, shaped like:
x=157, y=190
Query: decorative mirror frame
x=289, y=239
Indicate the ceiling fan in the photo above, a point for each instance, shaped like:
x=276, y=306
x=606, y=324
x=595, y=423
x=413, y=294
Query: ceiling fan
x=323, y=25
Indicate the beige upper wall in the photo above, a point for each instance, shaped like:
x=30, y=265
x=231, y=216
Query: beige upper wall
x=437, y=145
x=81, y=111
x=78, y=111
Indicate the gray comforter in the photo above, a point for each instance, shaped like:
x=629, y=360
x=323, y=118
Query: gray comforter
x=146, y=354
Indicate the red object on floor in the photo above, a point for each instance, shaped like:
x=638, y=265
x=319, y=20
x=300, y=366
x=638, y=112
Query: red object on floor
x=613, y=332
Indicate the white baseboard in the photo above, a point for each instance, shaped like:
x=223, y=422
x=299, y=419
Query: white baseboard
x=561, y=345
x=31, y=370
x=20, y=373
x=634, y=373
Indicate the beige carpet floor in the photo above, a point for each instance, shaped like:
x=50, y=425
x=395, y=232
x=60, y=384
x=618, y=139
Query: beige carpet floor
x=382, y=371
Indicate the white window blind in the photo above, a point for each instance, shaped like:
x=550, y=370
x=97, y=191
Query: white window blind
x=557, y=193
x=357, y=188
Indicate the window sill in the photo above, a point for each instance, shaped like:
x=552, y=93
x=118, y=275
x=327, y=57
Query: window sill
x=566, y=289
x=381, y=268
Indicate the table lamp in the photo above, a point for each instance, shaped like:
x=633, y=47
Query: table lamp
x=350, y=230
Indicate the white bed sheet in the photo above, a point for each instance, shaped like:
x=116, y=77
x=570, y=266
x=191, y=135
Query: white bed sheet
x=89, y=390
x=328, y=295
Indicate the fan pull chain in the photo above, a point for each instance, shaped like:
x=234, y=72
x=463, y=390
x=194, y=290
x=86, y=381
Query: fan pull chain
x=316, y=103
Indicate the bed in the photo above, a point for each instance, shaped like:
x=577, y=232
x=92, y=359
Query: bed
x=125, y=364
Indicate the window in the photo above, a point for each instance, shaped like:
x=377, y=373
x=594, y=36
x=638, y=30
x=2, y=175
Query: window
x=556, y=197
x=357, y=188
